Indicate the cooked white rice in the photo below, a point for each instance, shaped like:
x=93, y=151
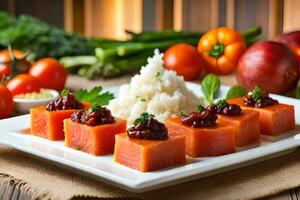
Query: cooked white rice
x=155, y=90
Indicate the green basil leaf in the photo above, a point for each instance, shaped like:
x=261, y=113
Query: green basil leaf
x=210, y=85
x=298, y=90
x=236, y=91
x=94, y=96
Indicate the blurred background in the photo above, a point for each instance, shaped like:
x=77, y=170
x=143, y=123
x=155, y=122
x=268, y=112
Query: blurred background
x=109, y=18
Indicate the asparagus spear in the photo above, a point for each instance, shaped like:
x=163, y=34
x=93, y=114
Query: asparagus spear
x=105, y=55
x=162, y=35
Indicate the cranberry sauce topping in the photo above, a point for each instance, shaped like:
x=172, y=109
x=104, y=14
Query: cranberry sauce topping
x=258, y=98
x=66, y=101
x=94, y=116
x=224, y=108
x=148, y=128
x=201, y=118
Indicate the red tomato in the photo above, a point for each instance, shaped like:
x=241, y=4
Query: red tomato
x=23, y=83
x=6, y=102
x=184, y=59
x=5, y=57
x=50, y=72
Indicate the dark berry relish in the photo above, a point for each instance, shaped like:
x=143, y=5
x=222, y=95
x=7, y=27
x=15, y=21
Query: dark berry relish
x=258, y=98
x=64, y=102
x=96, y=115
x=224, y=108
x=148, y=128
x=202, y=118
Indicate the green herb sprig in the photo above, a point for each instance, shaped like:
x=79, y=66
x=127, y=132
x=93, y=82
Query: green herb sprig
x=158, y=76
x=200, y=108
x=95, y=108
x=222, y=103
x=94, y=96
x=182, y=114
x=65, y=92
x=257, y=93
x=210, y=86
x=143, y=119
x=236, y=91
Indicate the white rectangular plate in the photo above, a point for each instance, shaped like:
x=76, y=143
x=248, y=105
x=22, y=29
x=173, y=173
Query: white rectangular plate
x=103, y=167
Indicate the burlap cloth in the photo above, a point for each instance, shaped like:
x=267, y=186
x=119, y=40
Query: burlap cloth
x=35, y=178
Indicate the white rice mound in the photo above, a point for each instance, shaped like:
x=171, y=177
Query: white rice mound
x=155, y=90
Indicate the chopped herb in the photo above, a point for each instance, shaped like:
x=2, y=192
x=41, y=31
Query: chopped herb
x=141, y=99
x=182, y=114
x=158, y=76
x=256, y=93
x=143, y=119
x=95, y=108
x=137, y=121
x=65, y=92
x=77, y=148
x=200, y=108
x=222, y=103
x=94, y=96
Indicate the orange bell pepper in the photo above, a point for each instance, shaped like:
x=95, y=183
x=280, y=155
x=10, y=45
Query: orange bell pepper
x=221, y=48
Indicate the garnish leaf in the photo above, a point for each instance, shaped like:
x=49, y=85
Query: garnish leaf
x=222, y=103
x=94, y=96
x=95, y=108
x=143, y=119
x=182, y=114
x=158, y=76
x=236, y=91
x=298, y=90
x=65, y=92
x=200, y=108
x=210, y=85
x=256, y=93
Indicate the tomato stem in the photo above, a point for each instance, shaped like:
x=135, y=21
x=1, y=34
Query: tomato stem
x=217, y=50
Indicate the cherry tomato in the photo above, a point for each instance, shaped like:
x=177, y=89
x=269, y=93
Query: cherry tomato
x=23, y=83
x=5, y=69
x=6, y=102
x=50, y=72
x=184, y=60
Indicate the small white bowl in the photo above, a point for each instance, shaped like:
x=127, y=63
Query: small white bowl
x=22, y=106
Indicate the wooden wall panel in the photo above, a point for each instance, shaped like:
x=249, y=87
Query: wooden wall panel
x=132, y=15
x=164, y=13
x=74, y=16
x=230, y=13
x=178, y=15
x=97, y=21
x=148, y=17
x=291, y=15
x=110, y=18
x=275, y=24
x=200, y=15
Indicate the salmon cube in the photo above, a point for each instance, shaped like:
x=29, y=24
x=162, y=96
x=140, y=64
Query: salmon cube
x=202, y=142
x=49, y=124
x=274, y=119
x=149, y=155
x=246, y=125
x=95, y=140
